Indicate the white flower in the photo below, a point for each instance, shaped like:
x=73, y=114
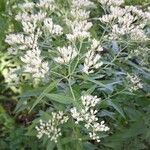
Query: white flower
x=29, y=27
x=79, y=30
x=111, y=2
x=94, y=136
x=96, y=46
x=138, y=35
x=12, y=39
x=12, y=76
x=92, y=58
x=125, y=22
x=34, y=64
x=31, y=41
x=136, y=82
x=52, y=28
x=78, y=24
x=75, y=114
x=138, y=12
x=66, y=54
x=12, y=51
x=27, y=5
x=142, y=53
x=52, y=128
x=127, y=19
x=115, y=13
x=79, y=14
x=87, y=115
x=81, y=3
x=106, y=18
x=89, y=101
x=46, y=4
x=40, y=16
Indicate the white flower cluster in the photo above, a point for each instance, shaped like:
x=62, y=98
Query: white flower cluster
x=79, y=30
x=34, y=24
x=34, y=64
x=78, y=23
x=29, y=27
x=33, y=61
x=136, y=82
x=143, y=55
x=126, y=21
x=92, y=58
x=82, y=3
x=66, y=54
x=42, y=4
x=11, y=76
x=46, y=5
x=87, y=115
x=111, y=2
x=14, y=39
x=22, y=42
x=31, y=17
x=26, y=6
x=52, y=28
x=79, y=14
x=52, y=128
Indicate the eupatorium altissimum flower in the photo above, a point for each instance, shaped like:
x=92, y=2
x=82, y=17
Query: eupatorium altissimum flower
x=66, y=54
x=79, y=14
x=46, y=5
x=13, y=39
x=52, y=28
x=11, y=76
x=29, y=27
x=78, y=24
x=95, y=46
x=51, y=128
x=135, y=82
x=21, y=41
x=79, y=30
x=93, y=58
x=137, y=34
x=115, y=13
x=111, y=2
x=87, y=115
x=26, y=6
x=125, y=21
x=33, y=17
x=34, y=64
x=142, y=53
x=82, y=3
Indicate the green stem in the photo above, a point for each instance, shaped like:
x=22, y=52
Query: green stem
x=114, y=59
x=78, y=58
x=69, y=81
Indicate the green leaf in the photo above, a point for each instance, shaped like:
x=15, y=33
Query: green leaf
x=91, y=90
x=31, y=93
x=116, y=107
x=60, y=98
x=107, y=86
x=47, y=90
x=50, y=145
x=21, y=105
x=104, y=113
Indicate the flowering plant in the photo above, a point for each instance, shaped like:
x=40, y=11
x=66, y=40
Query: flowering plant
x=67, y=72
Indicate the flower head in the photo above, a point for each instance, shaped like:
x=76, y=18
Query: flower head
x=66, y=54
x=87, y=115
x=34, y=64
x=52, y=128
x=92, y=58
